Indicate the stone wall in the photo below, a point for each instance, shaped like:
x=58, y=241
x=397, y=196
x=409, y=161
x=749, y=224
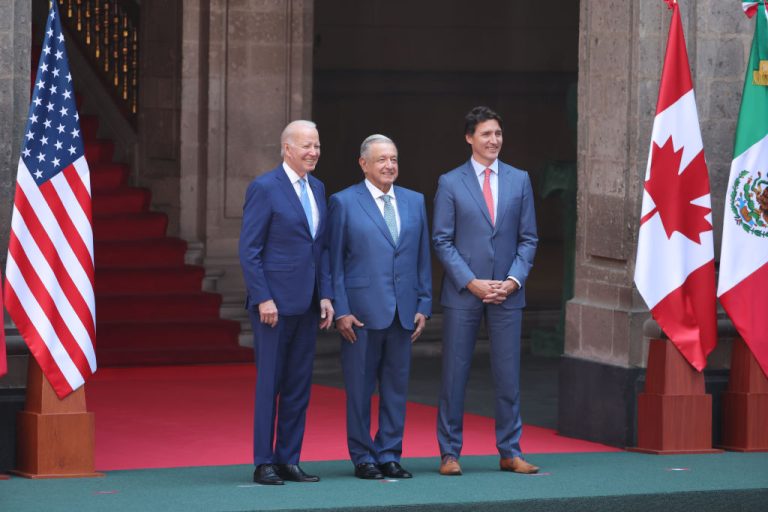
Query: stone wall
x=621, y=51
x=246, y=72
x=158, y=165
x=15, y=43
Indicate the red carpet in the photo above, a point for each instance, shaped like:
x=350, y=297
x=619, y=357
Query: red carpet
x=151, y=309
x=176, y=416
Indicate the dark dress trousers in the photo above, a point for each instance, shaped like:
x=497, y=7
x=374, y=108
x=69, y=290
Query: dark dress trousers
x=384, y=284
x=470, y=246
x=283, y=262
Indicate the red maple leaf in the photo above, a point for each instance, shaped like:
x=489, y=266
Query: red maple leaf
x=672, y=192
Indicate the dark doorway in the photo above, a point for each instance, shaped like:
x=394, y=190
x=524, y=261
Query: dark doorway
x=412, y=69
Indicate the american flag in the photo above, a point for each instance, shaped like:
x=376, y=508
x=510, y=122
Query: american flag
x=49, y=273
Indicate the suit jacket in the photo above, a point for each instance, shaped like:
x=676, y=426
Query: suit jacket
x=280, y=259
x=372, y=276
x=470, y=247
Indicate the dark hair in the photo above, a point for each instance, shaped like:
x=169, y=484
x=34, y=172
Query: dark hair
x=478, y=115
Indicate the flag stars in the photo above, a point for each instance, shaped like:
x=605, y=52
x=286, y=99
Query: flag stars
x=63, y=111
x=69, y=77
x=56, y=72
x=58, y=145
x=47, y=123
x=75, y=133
x=61, y=37
x=30, y=135
x=53, y=89
x=37, y=101
x=50, y=32
x=60, y=128
x=41, y=157
x=59, y=54
x=33, y=119
x=72, y=150
x=56, y=163
x=44, y=68
x=40, y=84
x=38, y=174
x=44, y=140
x=27, y=153
x=67, y=93
x=49, y=106
x=47, y=50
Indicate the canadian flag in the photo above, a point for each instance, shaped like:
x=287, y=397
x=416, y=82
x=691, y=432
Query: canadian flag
x=675, y=266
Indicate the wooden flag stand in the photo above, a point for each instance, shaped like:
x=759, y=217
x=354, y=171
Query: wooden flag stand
x=745, y=403
x=55, y=438
x=674, y=414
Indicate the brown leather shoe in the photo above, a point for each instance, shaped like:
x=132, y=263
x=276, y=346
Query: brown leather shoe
x=518, y=465
x=449, y=466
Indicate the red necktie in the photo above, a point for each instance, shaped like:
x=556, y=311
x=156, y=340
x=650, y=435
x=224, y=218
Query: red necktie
x=487, y=194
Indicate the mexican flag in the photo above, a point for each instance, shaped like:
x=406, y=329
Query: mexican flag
x=675, y=265
x=743, y=286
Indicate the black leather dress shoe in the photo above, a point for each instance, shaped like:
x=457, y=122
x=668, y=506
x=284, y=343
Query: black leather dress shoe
x=293, y=473
x=368, y=471
x=266, y=474
x=394, y=470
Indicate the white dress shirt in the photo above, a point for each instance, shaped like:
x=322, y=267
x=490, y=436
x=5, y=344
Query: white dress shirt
x=297, y=187
x=377, y=194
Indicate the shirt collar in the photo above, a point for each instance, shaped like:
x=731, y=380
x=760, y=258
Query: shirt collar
x=376, y=192
x=480, y=168
x=293, y=176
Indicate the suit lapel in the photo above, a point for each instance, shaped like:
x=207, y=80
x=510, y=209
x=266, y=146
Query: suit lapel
x=402, y=211
x=315, y=186
x=290, y=193
x=469, y=178
x=369, y=206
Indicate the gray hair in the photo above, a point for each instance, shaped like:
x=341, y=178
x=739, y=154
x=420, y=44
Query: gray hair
x=290, y=129
x=373, y=139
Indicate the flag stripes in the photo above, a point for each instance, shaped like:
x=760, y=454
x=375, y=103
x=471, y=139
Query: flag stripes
x=49, y=287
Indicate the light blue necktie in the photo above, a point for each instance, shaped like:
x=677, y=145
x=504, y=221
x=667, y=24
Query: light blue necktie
x=307, y=205
x=389, y=216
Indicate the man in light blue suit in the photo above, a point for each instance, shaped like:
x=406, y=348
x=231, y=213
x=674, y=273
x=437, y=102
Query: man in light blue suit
x=484, y=234
x=382, y=285
x=284, y=257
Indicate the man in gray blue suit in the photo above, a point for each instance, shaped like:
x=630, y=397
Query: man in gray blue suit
x=382, y=281
x=484, y=234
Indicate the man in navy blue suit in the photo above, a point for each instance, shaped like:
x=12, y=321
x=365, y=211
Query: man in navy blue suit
x=382, y=286
x=284, y=257
x=484, y=234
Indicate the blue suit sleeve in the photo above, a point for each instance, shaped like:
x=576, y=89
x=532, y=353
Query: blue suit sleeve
x=424, y=305
x=443, y=236
x=338, y=228
x=253, y=236
x=527, y=239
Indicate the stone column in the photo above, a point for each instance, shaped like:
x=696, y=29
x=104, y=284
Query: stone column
x=246, y=72
x=15, y=43
x=621, y=52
